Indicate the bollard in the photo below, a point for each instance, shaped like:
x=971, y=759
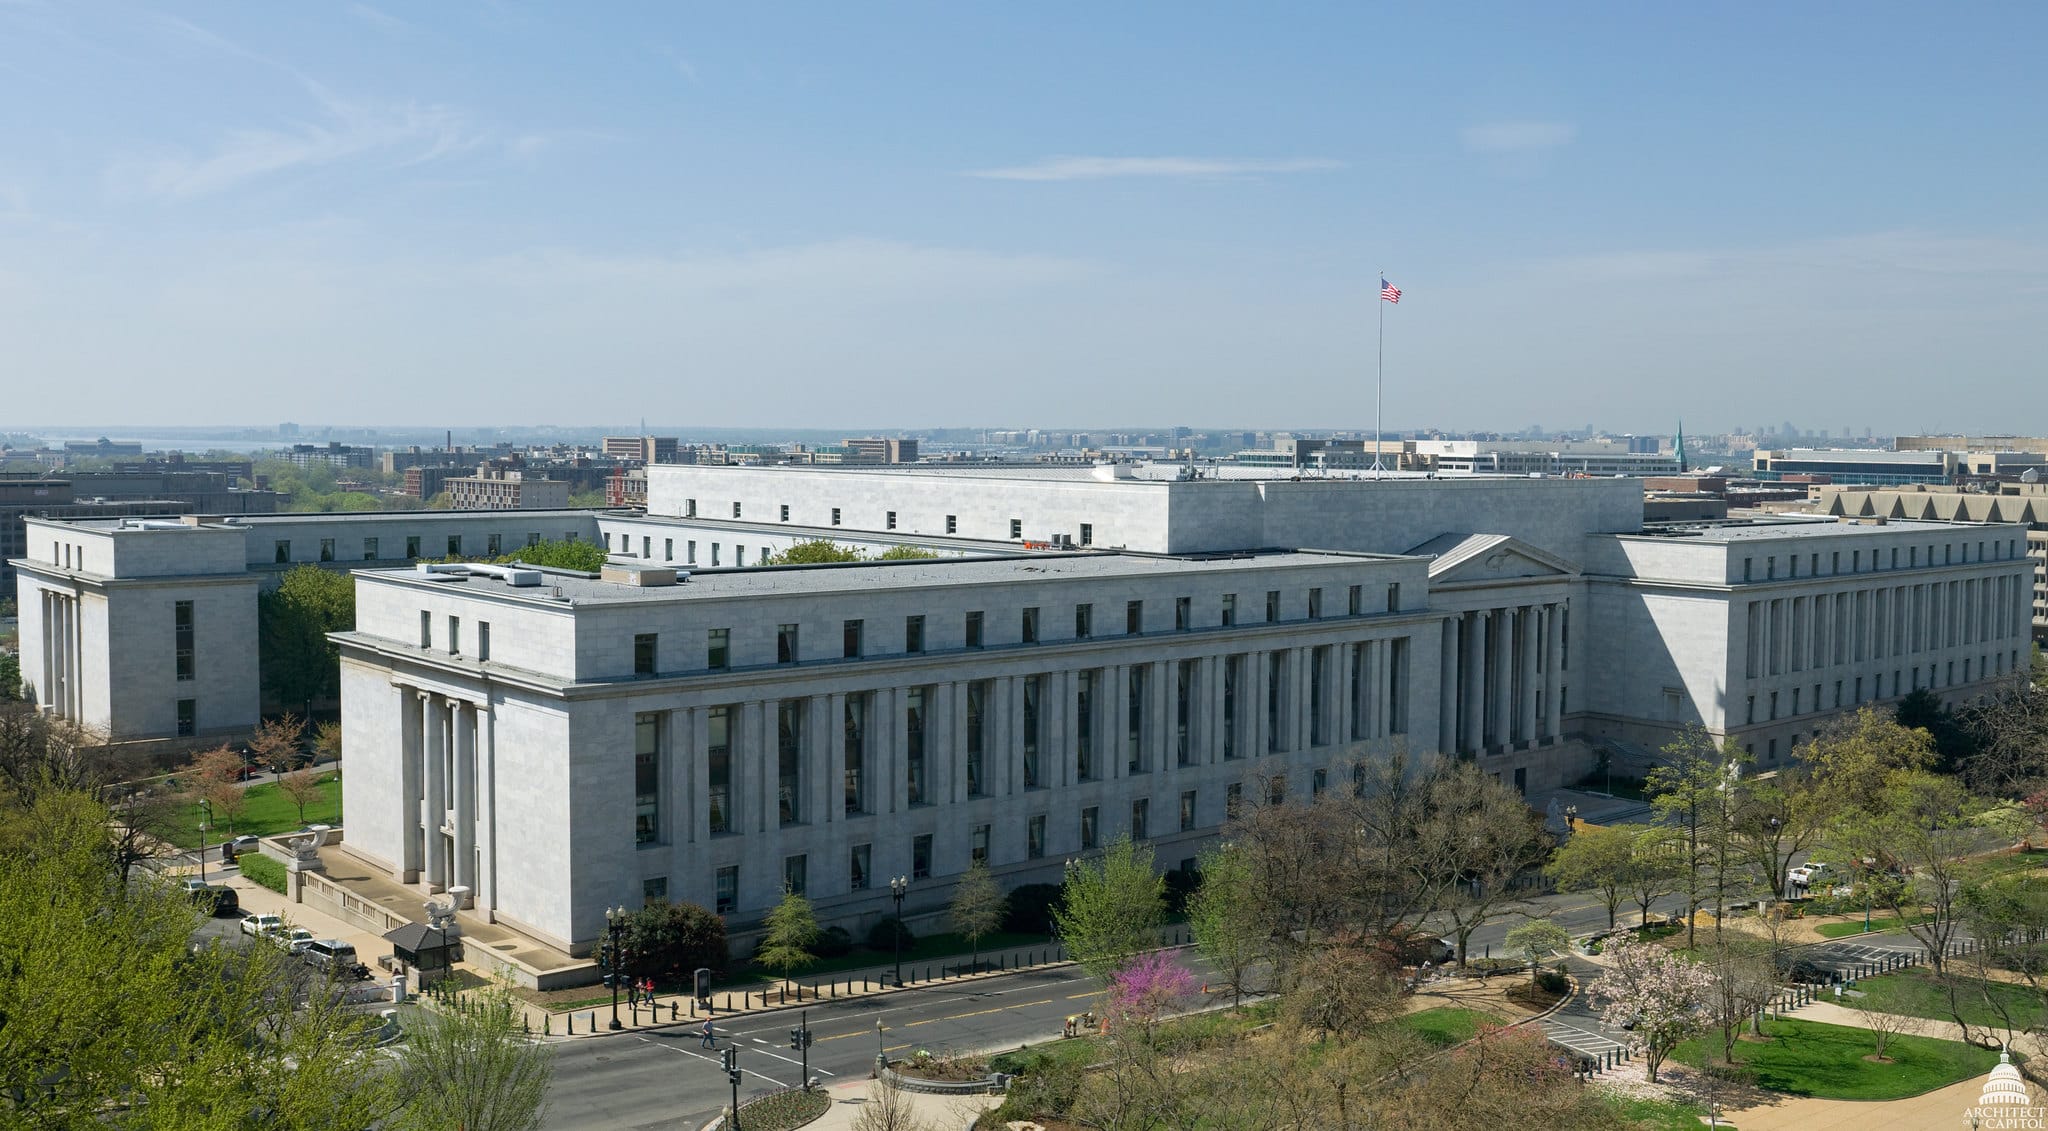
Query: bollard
x=673, y=1012
x=572, y=1024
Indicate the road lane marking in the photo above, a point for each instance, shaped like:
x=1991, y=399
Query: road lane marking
x=694, y=1055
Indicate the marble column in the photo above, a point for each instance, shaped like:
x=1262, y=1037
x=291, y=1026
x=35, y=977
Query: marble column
x=1447, y=689
x=434, y=725
x=1475, y=682
x=462, y=719
x=1527, y=685
x=412, y=785
x=1553, y=673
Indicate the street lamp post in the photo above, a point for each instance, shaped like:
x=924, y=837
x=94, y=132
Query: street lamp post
x=881, y=1053
x=205, y=819
x=897, y=887
x=615, y=926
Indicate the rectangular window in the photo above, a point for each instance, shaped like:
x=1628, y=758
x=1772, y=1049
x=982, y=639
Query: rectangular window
x=921, y=857
x=850, y=637
x=913, y=634
x=714, y=555
x=483, y=640
x=646, y=778
x=1016, y=528
x=646, y=546
x=455, y=545
x=718, y=649
x=689, y=508
x=1183, y=613
x=369, y=549
x=1233, y=799
x=1090, y=819
x=1084, y=725
x=785, y=644
x=643, y=653
x=977, y=737
x=1087, y=534
x=1233, y=675
x=789, y=760
x=913, y=745
x=735, y=508
x=952, y=524
x=860, y=867
x=1187, y=810
x=1318, y=665
x=668, y=549
x=1229, y=616
x=1141, y=812
x=690, y=552
x=1183, y=713
x=1084, y=621
x=653, y=890
x=1276, y=676
x=978, y=847
x=972, y=630
x=1034, y=837
x=1272, y=605
x=1029, y=627
x=326, y=549
x=412, y=546
x=835, y=516
x=494, y=544
x=1354, y=600
x=785, y=512
x=181, y=628
x=794, y=873
x=454, y=636
x=1315, y=604
x=1394, y=597
x=1134, y=617
x=728, y=899
x=1134, y=718
x=718, y=760
x=1033, y=688
x=283, y=550
x=426, y=629
x=188, y=717
x=889, y=521
x=1318, y=782
x=856, y=757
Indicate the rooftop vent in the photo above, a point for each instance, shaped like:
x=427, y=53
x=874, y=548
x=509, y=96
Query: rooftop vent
x=642, y=576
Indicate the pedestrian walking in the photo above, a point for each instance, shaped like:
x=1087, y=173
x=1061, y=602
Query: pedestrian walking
x=710, y=1040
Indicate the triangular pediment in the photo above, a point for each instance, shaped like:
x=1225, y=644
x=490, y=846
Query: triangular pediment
x=1489, y=557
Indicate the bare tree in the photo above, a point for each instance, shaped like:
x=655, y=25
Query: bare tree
x=1878, y=1012
x=473, y=1067
x=302, y=786
x=888, y=1108
x=275, y=742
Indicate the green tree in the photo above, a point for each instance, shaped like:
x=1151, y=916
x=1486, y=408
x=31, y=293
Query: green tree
x=1853, y=758
x=1596, y=858
x=792, y=931
x=327, y=741
x=1916, y=839
x=1536, y=940
x=588, y=500
x=10, y=676
x=977, y=907
x=1111, y=907
x=472, y=1066
x=904, y=553
x=589, y=557
x=1224, y=915
x=674, y=939
x=1694, y=793
x=298, y=663
x=815, y=552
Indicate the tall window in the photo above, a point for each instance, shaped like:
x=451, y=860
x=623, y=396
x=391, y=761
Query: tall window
x=977, y=711
x=1029, y=627
x=1233, y=674
x=860, y=867
x=1183, y=712
x=326, y=549
x=718, y=649
x=1187, y=810
x=188, y=717
x=646, y=778
x=1315, y=603
x=1087, y=534
x=1134, y=718
x=1357, y=693
x=1134, y=617
x=1183, y=613
x=455, y=545
x=1084, y=724
x=889, y=521
x=494, y=545
x=1229, y=608
x=1033, y=688
x=851, y=633
x=1272, y=605
x=1354, y=600
x=728, y=889
x=785, y=644
x=718, y=758
x=1034, y=837
x=913, y=634
x=1091, y=819
x=921, y=857
x=913, y=744
x=789, y=759
x=1318, y=663
x=483, y=640
x=643, y=653
x=1141, y=814
x=412, y=546
x=181, y=620
x=1084, y=621
x=856, y=752
x=283, y=551
x=952, y=524
x=1276, y=674
x=978, y=847
x=1394, y=597
x=973, y=629
x=369, y=549
x=795, y=872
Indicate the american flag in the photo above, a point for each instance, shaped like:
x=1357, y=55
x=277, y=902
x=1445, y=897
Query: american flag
x=1389, y=291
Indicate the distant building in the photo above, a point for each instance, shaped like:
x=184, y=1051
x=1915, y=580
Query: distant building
x=103, y=448
x=2036, y=444
x=332, y=454
x=426, y=482
x=1543, y=457
x=497, y=489
x=644, y=449
x=2015, y=502
x=874, y=450
x=1857, y=465
x=23, y=497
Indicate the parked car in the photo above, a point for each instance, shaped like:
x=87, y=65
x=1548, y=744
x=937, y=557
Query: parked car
x=293, y=939
x=1805, y=874
x=243, y=843
x=336, y=957
x=1806, y=972
x=213, y=898
x=261, y=925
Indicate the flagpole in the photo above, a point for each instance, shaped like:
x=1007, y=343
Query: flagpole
x=1379, y=399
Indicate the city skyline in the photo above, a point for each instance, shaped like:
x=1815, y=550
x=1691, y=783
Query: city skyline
x=936, y=217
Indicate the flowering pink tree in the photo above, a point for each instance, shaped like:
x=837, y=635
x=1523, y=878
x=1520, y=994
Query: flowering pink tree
x=1148, y=987
x=1662, y=997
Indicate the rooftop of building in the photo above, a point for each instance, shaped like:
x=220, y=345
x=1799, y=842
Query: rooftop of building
x=783, y=581
x=1787, y=526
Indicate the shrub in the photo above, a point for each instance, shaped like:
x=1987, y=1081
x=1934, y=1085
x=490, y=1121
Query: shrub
x=833, y=942
x=1553, y=981
x=1180, y=885
x=1030, y=909
x=263, y=870
x=674, y=939
x=889, y=933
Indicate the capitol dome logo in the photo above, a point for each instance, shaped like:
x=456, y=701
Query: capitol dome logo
x=2004, y=1104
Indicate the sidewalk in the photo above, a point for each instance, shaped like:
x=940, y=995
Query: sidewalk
x=938, y=1111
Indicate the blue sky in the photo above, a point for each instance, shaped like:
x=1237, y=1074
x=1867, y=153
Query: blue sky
x=951, y=214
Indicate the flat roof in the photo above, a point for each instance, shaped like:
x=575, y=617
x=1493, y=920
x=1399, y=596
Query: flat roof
x=761, y=581
x=1749, y=530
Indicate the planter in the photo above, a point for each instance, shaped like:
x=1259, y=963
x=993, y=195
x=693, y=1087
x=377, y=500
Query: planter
x=994, y=1083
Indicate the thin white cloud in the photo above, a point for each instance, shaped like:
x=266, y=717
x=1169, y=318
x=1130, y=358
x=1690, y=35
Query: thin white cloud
x=381, y=20
x=1518, y=137
x=1100, y=168
x=405, y=134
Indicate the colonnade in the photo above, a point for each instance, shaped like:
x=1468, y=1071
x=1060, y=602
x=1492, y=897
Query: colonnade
x=1503, y=672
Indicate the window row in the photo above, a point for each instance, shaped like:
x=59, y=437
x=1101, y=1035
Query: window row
x=1999, y=549
x=415, y=547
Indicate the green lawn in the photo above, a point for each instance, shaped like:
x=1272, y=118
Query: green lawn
x=1827, y=1062
x=1917, y=993
x=1855, y=926
x=268, y=812
x=1447, y=1025
x=1663, y=1115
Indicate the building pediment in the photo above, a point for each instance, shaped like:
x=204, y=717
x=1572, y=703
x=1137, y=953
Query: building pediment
x=1488, y=557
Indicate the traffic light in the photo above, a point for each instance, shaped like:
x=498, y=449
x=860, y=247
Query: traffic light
x=796, y=1039
x=731, y=1060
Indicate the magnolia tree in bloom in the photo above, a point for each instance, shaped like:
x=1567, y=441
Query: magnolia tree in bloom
x=1665, y=998
x=1148, y=987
